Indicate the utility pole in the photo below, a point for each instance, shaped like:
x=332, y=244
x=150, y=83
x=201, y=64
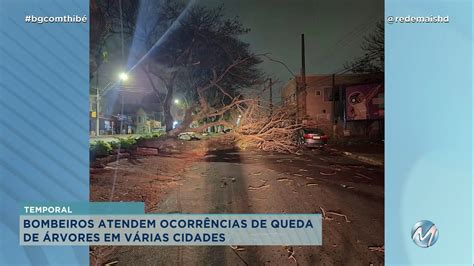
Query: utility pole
x=271, y=97
x=303, y=80
x=97, y=99
x=121, y=114
x=333, y=96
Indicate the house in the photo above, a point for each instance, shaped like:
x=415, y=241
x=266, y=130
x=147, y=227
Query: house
x=145, y=122
x=352, y=102
x=134, y=112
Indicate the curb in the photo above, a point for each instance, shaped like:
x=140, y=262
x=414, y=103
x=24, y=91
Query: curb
x=361, y=158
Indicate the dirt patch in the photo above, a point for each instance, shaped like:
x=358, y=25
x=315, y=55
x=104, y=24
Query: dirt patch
x=146, y=174
x=150, y=171
x=138, y=179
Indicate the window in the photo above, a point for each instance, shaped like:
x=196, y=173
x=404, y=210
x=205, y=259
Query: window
x=318, y=93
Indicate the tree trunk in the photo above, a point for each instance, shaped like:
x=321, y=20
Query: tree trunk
x=187, y=121
x=167, y=109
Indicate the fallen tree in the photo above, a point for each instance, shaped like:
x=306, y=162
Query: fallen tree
x=253, y=125
x=269, y=131
x=194, y=51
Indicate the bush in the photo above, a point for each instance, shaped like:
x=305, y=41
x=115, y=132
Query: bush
x=142, y=137
x=115, y=144
x=158, y=134
x=126, y=143
x=150, y=136
x=99, y=148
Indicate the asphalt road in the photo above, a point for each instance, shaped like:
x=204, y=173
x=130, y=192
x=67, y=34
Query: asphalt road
x=220, y=182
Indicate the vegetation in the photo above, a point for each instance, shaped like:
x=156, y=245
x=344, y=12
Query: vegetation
x=186, y=49
x=99, y=149
x=373, y=59
x=102, y=148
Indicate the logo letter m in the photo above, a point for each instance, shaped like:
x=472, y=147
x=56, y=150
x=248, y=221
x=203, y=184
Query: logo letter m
x=422, y=238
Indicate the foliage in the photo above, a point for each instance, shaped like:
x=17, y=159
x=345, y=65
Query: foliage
x=100, y=148
x=150, y=136
x=98, y=37
x=115, y=145
x=374, y=53
x=125, y=143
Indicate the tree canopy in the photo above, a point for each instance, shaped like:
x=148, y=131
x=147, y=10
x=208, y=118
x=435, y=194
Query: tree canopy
x=374, y=53
x=185, y=47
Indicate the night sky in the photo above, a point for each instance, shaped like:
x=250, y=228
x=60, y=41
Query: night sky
x=333, y=31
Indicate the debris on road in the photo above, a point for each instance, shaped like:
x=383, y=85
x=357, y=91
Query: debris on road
x=263, y=186
x=160, y=180
x=332, y=167
x=237, y=248
x=346, y=186
x=359, y=175
x=377, y=248
x=115, y=262
x=328, y=173
x=99, y=255
x=223, y=183
x=325, y=213
x=291, y=253
x=340, y=214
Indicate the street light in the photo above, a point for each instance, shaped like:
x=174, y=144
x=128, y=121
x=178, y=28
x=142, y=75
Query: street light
x=123, y=76
x=176, y=101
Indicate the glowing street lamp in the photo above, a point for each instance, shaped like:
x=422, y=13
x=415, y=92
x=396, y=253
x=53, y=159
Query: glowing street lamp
x=176, y=101
x=123, y=76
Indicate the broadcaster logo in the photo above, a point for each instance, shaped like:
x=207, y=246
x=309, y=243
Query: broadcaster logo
x=424, y=233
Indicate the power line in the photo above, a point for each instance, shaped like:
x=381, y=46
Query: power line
x=349, y=38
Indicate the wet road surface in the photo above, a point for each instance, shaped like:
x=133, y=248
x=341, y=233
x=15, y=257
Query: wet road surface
x=258, y=182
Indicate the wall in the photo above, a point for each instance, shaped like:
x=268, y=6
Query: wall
x=321, y=110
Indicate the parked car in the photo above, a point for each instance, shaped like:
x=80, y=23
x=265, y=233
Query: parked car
x=313, y=137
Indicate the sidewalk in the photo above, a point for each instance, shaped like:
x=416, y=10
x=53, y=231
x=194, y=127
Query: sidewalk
x=367, y=153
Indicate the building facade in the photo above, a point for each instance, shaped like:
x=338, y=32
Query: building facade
x=350, y=103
